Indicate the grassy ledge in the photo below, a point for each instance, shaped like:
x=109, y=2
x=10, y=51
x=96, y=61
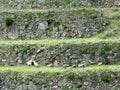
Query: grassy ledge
x=48, y=42
x=59, y=69
x=110, y=11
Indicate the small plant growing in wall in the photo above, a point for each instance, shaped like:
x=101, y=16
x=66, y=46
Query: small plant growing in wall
x=71, y=76
x=105, y=78
x=26, y=25
x=64, y=88
x=9, y=21
x=79, y=60
x=22, y=50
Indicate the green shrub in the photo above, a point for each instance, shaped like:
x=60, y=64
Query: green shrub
x=105, y=78
x=26, y=25
x=84, y=49
x=81, y=36
x=84, y=11
x=56, y=23
x=100, y=52
x=93, y=14
x=79, y=60
x=103, y=50
x=22, y=50
x=80, y=76
x=9, y=21
x=71, y=76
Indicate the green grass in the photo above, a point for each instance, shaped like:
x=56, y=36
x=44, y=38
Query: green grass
x=112, y=31
x=48, y=42
x=59, y=69
x=32, y=69
x=112, y=11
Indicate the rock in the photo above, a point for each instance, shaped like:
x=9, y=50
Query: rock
x=74, y=66
x=81, y=65
x=55, y=87
x=43, y=25
x=41, y=1
x=117, y=3
x=85, y=3
x=40, y=50
x=86, y=83
x=50, y=65
x=13, y=35
x=55, y=63
x=35, y=63
x=19, y=6
x=32, y=61
x=100, y=63
x=91, y=62
x=29, y=62
x=65, y=65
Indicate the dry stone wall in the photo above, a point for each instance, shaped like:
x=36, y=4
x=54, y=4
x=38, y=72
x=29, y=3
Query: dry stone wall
x=62, y=55
x=27, y=4
x=51, y=24
x=36, y=24
x=103, y=80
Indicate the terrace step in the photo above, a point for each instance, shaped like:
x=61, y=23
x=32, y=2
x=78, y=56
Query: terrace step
x=58, y=78
x=32, y=4
x=88, y=62
x=54, y=23
x=69, y=52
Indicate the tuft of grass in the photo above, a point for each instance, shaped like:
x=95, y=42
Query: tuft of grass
x=26, y=24
x=9, y=21
x=60, y=69
x=105, y=78
x=22, y=50
x=71, y=76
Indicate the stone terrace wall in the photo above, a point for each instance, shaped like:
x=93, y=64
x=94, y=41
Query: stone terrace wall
x=107, y=80
x=63, y=54
x=51, y=24
x=23, y=4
